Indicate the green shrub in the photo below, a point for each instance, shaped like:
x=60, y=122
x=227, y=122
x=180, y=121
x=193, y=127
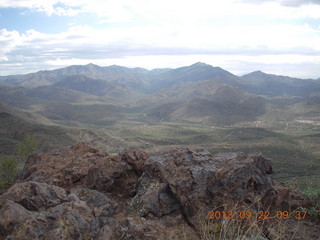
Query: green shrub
x=27, y=146
x=9, y=165
x=314, y=195
x=8, y=171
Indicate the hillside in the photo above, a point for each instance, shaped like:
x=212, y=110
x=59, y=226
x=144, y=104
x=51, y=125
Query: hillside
x=45, y=78
x=194, y=73
x=220, y=113
x=24, y=98
x=16, y=124
x=107, y=90
x=273, y=85
x=94, y=113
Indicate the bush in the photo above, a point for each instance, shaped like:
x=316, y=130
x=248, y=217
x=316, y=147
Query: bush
x=27, y=146
x=9, y=165
x=8, y=171
x=313, y=194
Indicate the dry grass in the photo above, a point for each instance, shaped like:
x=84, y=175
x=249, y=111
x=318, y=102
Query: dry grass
x=244, y=224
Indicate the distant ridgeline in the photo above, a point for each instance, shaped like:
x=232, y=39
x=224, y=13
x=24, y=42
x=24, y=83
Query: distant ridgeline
x=198, y=93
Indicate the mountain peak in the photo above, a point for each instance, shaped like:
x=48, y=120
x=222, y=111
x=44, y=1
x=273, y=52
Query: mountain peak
x=91, y=65
x=200, y=64
x=255, y=73
x=259, y=72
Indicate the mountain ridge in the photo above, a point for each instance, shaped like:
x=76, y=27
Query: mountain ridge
x=212, y=91
x=149, y=81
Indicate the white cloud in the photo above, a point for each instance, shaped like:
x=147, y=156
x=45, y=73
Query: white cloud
x=289, y=3
x=57, y=7
x=8, y=41
x=168, y=10
x=182, y=32
x=4, y=59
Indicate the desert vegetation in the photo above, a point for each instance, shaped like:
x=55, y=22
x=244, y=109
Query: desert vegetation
x=11, y=165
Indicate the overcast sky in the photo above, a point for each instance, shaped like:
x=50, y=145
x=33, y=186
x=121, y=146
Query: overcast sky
x=241, y=36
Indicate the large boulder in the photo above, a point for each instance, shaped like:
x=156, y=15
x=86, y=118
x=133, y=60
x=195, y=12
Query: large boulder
x=84, y=165
x=35, y=196
x=198, y=182
x=82, y=193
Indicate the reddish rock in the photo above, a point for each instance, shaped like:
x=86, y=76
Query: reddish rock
x=136, y=159
x=289, y=199
x=12, y=215
x=201, y=182
x=35, y=196
x=83, y=193
x=82, y=165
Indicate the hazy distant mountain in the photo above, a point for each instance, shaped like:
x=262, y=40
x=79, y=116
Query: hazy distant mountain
x=83, y=83
x=194, y=73
x=144, y=81
x=199, y=93
x=138, y=79
x=26, y=98
x=116, y=91
x=206, y=101
x=112, y=73
x=59, y=94
x=17, y=97
x=273, y=85
x=208, y=111
x=92, y=113
x=208, y=89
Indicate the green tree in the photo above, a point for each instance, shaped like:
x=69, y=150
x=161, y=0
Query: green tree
x=27, y=146
x=8, y=171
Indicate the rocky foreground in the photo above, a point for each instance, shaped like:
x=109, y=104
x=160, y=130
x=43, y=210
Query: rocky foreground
x=83, y=193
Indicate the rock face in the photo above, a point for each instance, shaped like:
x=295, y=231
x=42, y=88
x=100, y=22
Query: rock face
x=83, y=193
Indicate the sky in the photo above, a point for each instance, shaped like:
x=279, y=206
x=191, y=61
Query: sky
x=275, y=36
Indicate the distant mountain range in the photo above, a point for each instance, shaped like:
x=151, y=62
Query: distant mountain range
x=196, y=93
x=146, y=81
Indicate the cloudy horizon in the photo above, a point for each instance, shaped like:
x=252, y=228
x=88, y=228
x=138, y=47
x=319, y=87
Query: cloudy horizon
x=280, y=37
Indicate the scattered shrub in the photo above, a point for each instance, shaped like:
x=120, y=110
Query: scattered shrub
x=8, y=171
x=27, y=146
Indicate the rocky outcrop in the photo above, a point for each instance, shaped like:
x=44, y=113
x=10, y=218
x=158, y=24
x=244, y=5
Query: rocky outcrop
x=83, y=193
x=84, y=165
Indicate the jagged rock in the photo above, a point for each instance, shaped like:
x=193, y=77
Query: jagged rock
x=155, y=198
x=83, y=193
x=66, y=167
x=136, y=159
x=35, y=196
x=201, y=181
x=12, y=215
x=103, y=207
x=289, y=199
x=83, y=165
x=70, y=220
x=78, y=216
